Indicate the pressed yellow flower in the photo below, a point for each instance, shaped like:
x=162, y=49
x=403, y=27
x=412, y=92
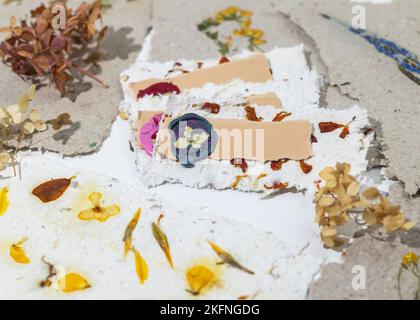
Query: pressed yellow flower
x=254, y=33
x=246, y=23
x=257, y=42
x=98, y=213
x=72, y=282
x=220, y=17
x=246, y=13
x=17, y=253
x=4, y=201
x=232, y=10
x=239, y=32
x=410, y=258
x=199, y=277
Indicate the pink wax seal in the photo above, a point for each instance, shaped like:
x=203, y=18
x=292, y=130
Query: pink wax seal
x=148, y=133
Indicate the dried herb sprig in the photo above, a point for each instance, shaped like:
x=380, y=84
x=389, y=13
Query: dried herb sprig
x=17, y=122
x=39, y=49
x=409, y=262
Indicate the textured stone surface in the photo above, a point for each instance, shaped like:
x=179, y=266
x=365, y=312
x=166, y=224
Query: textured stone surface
x=357, y=73
x=176, y=34
x=369, y=77
x=381, y=261
x=94, y=108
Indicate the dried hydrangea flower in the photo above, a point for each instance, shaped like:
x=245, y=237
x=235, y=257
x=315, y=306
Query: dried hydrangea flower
x=341, y=195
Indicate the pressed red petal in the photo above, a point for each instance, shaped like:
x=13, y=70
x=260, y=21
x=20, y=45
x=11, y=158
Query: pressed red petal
x=306, y=168
x=345, y=132
x=159, y=89
x=223, y=60
x=277, y=165
x=240, y=163
x=329, y=126
x=212, y=107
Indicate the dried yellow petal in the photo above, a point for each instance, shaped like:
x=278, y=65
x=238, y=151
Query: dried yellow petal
x=370, y=218
x=95, y=199
x=23, y=102
x=353, y=189
x=17, y=118
x=40, y=125
x=329, y=232
x=72, y=282
x=199, y=277
x=34, y=115
x=4, y=201
x=326, y=201
x=123, y=116
x=228, y=258
x=162, y=240
x=327, y=173
x=331, y=184
x=393, y=223
x=17, y=252
x=371, y=194
x=28, y=127
x=107, y=213
x=408, y=225
x=128, y=235
x=142, y=269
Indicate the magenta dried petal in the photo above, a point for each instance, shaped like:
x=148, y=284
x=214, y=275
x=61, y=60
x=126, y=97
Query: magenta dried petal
x=159, y=89
x=148, y=133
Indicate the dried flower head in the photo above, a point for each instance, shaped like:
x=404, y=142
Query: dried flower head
x=410, y=259
x=341, y=195
x=38, y=50
x=97, y=212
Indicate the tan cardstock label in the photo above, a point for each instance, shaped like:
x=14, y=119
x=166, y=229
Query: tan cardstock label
x=250, y=140
x=267, y=99
x=255, y=68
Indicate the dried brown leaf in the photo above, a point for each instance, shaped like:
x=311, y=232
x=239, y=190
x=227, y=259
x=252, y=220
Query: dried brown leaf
x=52, y=190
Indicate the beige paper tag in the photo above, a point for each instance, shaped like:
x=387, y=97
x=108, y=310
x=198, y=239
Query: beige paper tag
x=250, y=140
x=255, y=68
